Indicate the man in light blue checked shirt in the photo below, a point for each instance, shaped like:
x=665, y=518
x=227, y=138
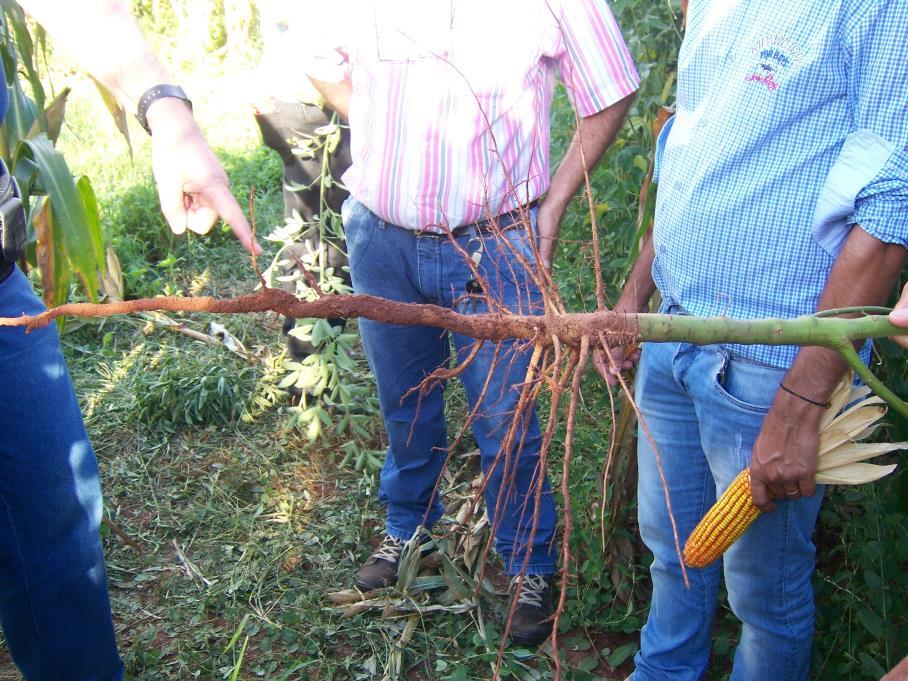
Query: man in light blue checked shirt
x=783, y=189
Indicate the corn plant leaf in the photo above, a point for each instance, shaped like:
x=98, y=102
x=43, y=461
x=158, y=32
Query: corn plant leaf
x=116, y=111
x=19, y=119
x=49, y=254
x=53, y=116
x=26, y=53
x=409, y=630
x=93, y=220
x=345, y=597
x=854, y=474
x=55, y=274
x=112, y=279
x=79, y=231
x=408, y=565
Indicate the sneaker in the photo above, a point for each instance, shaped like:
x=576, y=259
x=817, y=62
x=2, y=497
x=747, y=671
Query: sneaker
x=531, y=623
x=380, y=570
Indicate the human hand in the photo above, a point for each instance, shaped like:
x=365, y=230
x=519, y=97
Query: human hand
x=899, y=317
x=900, y=672
x=783, y=464
x=548, y=224
x=610, y=362
x=192, y=185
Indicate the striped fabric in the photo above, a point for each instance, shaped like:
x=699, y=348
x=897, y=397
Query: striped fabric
x=449, y=115
x=791, y=127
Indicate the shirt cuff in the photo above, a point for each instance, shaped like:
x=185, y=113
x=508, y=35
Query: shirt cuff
x=881, y=207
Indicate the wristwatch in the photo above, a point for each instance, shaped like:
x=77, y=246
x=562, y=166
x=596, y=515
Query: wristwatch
x=152, y=95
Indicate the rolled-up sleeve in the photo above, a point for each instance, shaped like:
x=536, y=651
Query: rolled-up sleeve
x=595, y=64
x=881, y=207
x=877, y=52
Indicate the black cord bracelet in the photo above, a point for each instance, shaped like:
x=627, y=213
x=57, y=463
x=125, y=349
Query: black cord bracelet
x=825, y=405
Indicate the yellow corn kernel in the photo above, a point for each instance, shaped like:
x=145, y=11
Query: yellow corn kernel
x=723, y=523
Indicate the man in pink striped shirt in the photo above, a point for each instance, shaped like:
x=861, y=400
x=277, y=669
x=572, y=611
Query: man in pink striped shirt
x=448, y=103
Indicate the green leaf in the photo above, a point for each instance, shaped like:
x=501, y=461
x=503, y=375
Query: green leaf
x=460, y=674
x=93, y=219
x=54, y=114
x=871, y=667
x=25, y=52
x=79, y=232
x=20, y=117
x=872, y=579
x=621, y=653
x=872, y=622
x=116, y=111
x=237, y=633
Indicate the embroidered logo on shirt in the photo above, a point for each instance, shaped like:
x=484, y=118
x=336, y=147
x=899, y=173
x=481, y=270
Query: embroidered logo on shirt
x=776, y=58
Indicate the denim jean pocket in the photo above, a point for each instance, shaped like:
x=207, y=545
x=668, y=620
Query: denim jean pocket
x=748, y=386
x=520, y=242
x=359, y=224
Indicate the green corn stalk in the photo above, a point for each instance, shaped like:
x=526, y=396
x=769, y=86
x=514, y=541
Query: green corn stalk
x=825, y=329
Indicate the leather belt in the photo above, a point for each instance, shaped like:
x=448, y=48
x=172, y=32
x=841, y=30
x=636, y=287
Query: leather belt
x=505, y=221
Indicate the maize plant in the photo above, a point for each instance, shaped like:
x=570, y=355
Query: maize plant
x=64, y=236
x=840, y=462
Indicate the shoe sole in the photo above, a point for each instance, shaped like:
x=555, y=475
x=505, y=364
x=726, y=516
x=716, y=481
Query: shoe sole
x=367, y=587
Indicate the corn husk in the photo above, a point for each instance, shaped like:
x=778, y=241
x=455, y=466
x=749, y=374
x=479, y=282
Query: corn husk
x=841, y=455
x=853, y=414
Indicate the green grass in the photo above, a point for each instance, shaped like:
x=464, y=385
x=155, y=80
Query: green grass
x=245, y=526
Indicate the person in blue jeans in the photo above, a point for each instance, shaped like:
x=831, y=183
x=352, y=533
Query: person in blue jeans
x=54, y=606
x=450, y=143
x=783, y=190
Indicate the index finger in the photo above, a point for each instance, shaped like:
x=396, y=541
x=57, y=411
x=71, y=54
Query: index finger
x=221, y=200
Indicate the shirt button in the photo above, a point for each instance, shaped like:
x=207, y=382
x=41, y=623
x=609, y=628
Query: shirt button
x=678, y=185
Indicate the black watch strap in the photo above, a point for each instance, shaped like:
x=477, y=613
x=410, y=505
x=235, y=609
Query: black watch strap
x=152, y=95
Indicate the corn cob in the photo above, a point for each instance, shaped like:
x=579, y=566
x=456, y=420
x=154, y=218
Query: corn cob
x=839, y=463
x=723, y=524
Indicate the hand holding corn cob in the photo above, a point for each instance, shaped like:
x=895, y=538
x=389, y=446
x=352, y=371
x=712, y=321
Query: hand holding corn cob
x=840, y=462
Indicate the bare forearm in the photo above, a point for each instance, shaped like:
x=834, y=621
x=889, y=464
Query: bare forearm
x=592, y=138
x=337, y=95
x=594, y=135
x=104, y=39
x=864, y=274
x=640, y=285
x=784, y=460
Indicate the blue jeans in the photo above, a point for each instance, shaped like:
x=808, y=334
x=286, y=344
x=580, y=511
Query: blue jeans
x=397, y=264
x=704, y=409
x=54, y=607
